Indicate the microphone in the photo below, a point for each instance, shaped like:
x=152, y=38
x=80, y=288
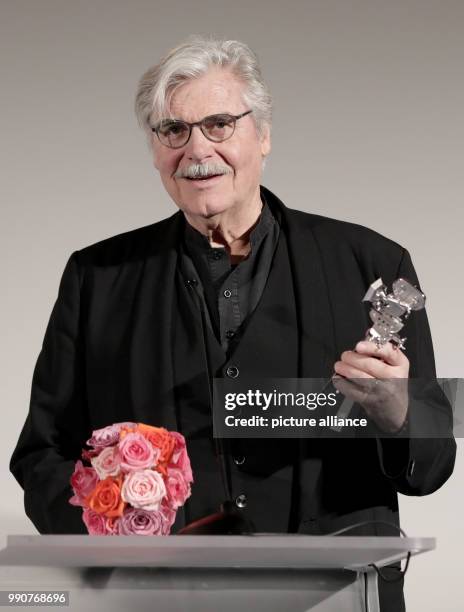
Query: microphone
x=229, y=521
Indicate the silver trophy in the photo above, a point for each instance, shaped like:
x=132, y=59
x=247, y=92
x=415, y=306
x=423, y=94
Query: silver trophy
x=390, y=310
x=388, y=313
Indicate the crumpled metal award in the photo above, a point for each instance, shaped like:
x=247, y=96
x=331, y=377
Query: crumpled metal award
x=390, y=310
x=388, y=313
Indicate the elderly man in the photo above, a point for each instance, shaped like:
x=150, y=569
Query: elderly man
x=234, y=284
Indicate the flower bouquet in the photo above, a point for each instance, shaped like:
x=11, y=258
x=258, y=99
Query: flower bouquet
x=139, y=475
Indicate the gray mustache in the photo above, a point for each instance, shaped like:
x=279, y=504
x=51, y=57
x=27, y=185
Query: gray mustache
x=202, y=170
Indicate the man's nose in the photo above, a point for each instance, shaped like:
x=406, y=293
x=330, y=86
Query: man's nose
x=198, y=146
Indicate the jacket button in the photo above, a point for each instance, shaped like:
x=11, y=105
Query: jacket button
x=232, y=372
x=240, y=460
x=227, y=293
x=241, y=501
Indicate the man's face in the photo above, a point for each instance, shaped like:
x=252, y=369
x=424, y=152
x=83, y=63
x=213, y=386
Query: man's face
x=218, y=91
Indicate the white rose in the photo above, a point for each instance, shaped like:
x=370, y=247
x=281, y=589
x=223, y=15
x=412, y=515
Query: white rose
x=144, y=489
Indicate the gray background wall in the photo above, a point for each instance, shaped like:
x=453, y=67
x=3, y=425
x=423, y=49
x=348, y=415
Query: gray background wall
x=367, y=127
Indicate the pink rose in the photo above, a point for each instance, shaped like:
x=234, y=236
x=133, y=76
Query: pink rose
x=143, y=489
x=168, y=513
x=137, y=453
x=178, y=489
x=107, y=436
x=95, y=522
x=98, y=524
x=83, y=481
x=180, y=458
x=136, y=521
x=112, y=525
x=107, y=462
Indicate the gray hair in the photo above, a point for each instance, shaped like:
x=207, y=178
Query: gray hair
x=193, y=59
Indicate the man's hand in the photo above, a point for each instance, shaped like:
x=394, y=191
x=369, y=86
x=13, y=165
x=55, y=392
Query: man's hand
x=377, y=379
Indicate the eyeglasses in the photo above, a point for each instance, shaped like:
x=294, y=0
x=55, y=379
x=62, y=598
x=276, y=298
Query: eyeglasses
x=217, y=128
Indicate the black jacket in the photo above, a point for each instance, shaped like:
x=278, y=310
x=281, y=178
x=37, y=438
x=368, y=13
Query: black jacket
x=106, y=357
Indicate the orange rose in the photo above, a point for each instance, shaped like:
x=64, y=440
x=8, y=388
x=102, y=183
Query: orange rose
x=148, y=429
x=162, y=468
x=125, y=430
x=160, y=438
x=106, y=497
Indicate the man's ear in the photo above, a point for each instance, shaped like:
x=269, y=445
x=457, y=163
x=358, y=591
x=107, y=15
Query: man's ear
x=266, y=142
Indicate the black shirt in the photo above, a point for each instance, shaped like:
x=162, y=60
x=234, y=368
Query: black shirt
x=231, y=292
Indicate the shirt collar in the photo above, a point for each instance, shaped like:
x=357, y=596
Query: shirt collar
x=196, y=241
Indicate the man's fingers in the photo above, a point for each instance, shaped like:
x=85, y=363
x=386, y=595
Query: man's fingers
x=388, y=352
x=352, y=390
x=351, y=369
x=363, y=385
x=366, y=365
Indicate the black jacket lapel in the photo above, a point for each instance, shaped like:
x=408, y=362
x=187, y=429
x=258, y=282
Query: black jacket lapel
x=151, y=367
x=314, y=313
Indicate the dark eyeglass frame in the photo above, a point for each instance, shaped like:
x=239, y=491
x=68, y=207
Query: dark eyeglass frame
x=201, y=125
